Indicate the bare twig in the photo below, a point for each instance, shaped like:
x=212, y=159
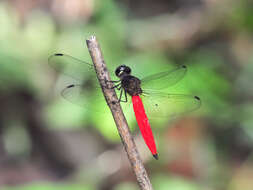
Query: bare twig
x=119, y=118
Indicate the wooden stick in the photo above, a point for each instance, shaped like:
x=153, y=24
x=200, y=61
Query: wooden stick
x=119, y=118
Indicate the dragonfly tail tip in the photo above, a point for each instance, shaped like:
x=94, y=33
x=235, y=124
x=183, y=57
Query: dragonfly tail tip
x=155, y=156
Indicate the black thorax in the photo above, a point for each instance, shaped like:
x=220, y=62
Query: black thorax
x=131, y=84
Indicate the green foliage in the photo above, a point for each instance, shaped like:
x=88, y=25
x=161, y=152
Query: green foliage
x=219, y=78
x=48, y=186
x=162, y=182
x=241, y=15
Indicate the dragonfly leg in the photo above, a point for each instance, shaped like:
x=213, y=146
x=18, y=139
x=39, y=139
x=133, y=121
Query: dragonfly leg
x=121, y=96
x=118, y=86
x=125, y=96
x=112, y=81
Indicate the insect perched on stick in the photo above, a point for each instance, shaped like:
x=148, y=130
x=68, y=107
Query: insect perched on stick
x=145, y=94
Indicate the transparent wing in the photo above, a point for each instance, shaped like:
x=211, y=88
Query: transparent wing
x=71, y=66
x=164, y=79
x=169, y=105
x=127, y=106
x=89, y=97
x=84, y=96
x=87, y=92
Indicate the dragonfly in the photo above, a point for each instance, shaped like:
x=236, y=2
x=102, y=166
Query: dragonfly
x=146, y=93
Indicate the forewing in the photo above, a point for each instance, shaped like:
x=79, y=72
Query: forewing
x=169, y=105
x=164, y=79
x=87, y=93
x=71, y=66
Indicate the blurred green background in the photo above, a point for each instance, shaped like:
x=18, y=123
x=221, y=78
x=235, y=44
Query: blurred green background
x=49, y=143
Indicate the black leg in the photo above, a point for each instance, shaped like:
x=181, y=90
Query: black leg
x=120, y=96
x=125, y=96
x=118, y=86
x=113, y=81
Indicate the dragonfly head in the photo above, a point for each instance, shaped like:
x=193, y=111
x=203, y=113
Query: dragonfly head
x=122, y=70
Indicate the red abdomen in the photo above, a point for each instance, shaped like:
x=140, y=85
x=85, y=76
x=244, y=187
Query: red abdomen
x=144, y=125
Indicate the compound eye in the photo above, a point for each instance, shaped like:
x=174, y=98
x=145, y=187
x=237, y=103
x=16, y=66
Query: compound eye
x=128, y=70
x=117, y=71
